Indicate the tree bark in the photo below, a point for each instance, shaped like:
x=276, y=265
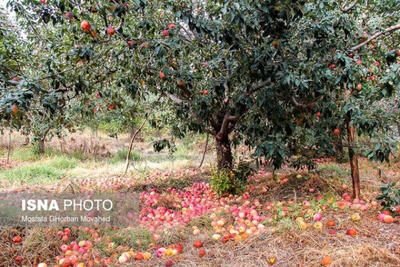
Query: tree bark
x=355, y=173
x=42, y=146
x=9, y=147
x=339, y=150
x=398, y=129
x=224, y=152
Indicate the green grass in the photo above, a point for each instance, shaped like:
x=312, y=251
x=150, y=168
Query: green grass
x=51, y=168
x=62, y=163
x=32, y=174
x=121, y=156
x=136, y=156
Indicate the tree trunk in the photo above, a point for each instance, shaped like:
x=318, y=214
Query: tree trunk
x=204, y=153
x=224, y=152
x=9, y=147
x=398, y=128
x=128, y=155
x=132, y=131
x=339, y=150
x=41, y=146
x=353, y=157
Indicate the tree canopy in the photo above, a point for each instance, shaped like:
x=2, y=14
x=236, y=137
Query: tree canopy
x=283, y=76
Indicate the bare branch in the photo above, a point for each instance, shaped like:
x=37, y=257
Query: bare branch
x=345, y=9
x=173, y=97
x=376, y=35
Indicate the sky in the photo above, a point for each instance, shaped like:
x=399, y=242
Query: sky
x=3, y=3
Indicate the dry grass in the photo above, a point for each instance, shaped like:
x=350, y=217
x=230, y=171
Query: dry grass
x=39, y=245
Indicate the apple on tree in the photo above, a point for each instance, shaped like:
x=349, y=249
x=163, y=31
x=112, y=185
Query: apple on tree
x=162, y=75
x=85, y=25
x=165, y=33
x=110, y=31
x=69, y=15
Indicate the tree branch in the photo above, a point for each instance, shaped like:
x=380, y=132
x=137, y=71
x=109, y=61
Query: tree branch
x=227, y=95
x=345, y=9
x=376, y=35
x=258, y=86
x=302, y=105
x=225, y=123
x=103, y=13
x=297, y=104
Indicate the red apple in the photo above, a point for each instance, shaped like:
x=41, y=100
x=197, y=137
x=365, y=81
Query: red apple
x=204, y=92
x=64, y=248
x=15, y=79
x=398, y=53
x=359, y=87
x=17, y=239
x=351, y=55
x=69, y=15
x=376, y=63
x=359, y=62
x=318, y=114
x=139, y=256
x=110, y=31
x=202, y=253
x=171, y=26
x=351, y=232
x=179, y=248
x=336, y=131
x=197, y=244
x=129, y=43
x=165, y=33
x=333, y=66
x=43, y=1
x=85, y=25
x=161, y=75
x=18, y=259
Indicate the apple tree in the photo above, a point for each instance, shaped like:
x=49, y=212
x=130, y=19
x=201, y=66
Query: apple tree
x=284, y=76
